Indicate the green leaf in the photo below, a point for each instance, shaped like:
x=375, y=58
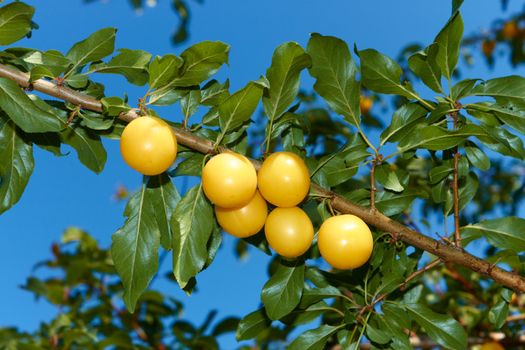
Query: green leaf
x=382, y=74
x=88, y=145
x=502, y=141
x=163, y=69
x=498, y=313
x=16, y=163
x=164, y=199
x=135, y=245
x=343, y=165
x=213, y=93
x=404, y=121
x=512, y=86
x=440, y=172
x=388, y=178
x=95, y=47
x=113, y=106
x=192, y=226
x=335, y=74
x=282, y=293
x=314, y=339
x=395, y=203
x=443, y=329
x=252, y=325
x=289, y=59
x=462, y=89
x=201, y=61
x=449, y=40
x=377, y=335
x=504, y=233
x=53, y=62
x=477, y=157
x=77, y=81
x=190, y=166
x=15, y=22
x=239, y=107
x=26, y=115
x=424, y=65
x=190, y=103
x=95, y=121
x=435, y=138
x=130, y=63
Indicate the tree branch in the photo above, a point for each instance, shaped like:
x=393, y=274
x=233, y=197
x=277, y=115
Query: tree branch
x=455, y=185
x=374, y=218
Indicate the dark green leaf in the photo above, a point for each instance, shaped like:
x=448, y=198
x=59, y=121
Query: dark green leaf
x=404, y=120
x=449, y=40
x=388, y=178
x=343, y=165
x=201, y=61
x=288, y=61
x=477, y=157
x=15, y=22
x=135, y=245
x=95, y=121
x=282, y=293
x=26, y=115
x=424, y=65
x=16, y=163
x=239, y=107
x=192, y=225
x=439, y=173
x=51, y=61
x=443, y=329
x=395, y=203
x=190, y=103
x=130, y=63
x=252, y=325
x=335, y=74
x=163, y=69
x=382, y=74
x=498, y=313
x=504, y=233
x=435, y=138
x=95, y=47
x=462, y=88
x=512, y=86
x=88, y=145
x=213, y=93
x=314, y=339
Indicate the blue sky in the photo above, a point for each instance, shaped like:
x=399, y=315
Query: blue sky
x=62, y=192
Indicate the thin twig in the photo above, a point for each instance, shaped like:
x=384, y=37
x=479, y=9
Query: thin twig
x=401, y=286
x=381, y=222
x=455, y=185
x=373, y=185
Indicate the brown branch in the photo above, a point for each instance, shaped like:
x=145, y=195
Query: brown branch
x=514, y=318
x=374, y=218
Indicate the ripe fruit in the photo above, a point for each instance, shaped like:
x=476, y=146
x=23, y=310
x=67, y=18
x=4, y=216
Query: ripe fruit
x=492, y=346
x=283, y=179
x=289, y=231
x=365, y=104
x=488, y=47
x=148, y=145
x=345, y=241
x=229, y=180
x=510, y=30
x=245, y=221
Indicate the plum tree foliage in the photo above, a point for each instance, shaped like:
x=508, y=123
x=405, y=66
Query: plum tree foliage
x=457, y=157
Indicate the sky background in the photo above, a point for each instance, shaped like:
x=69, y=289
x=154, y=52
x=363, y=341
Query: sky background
x=63, y=193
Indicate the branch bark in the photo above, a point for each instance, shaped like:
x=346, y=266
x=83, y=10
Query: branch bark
x=374, y=218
